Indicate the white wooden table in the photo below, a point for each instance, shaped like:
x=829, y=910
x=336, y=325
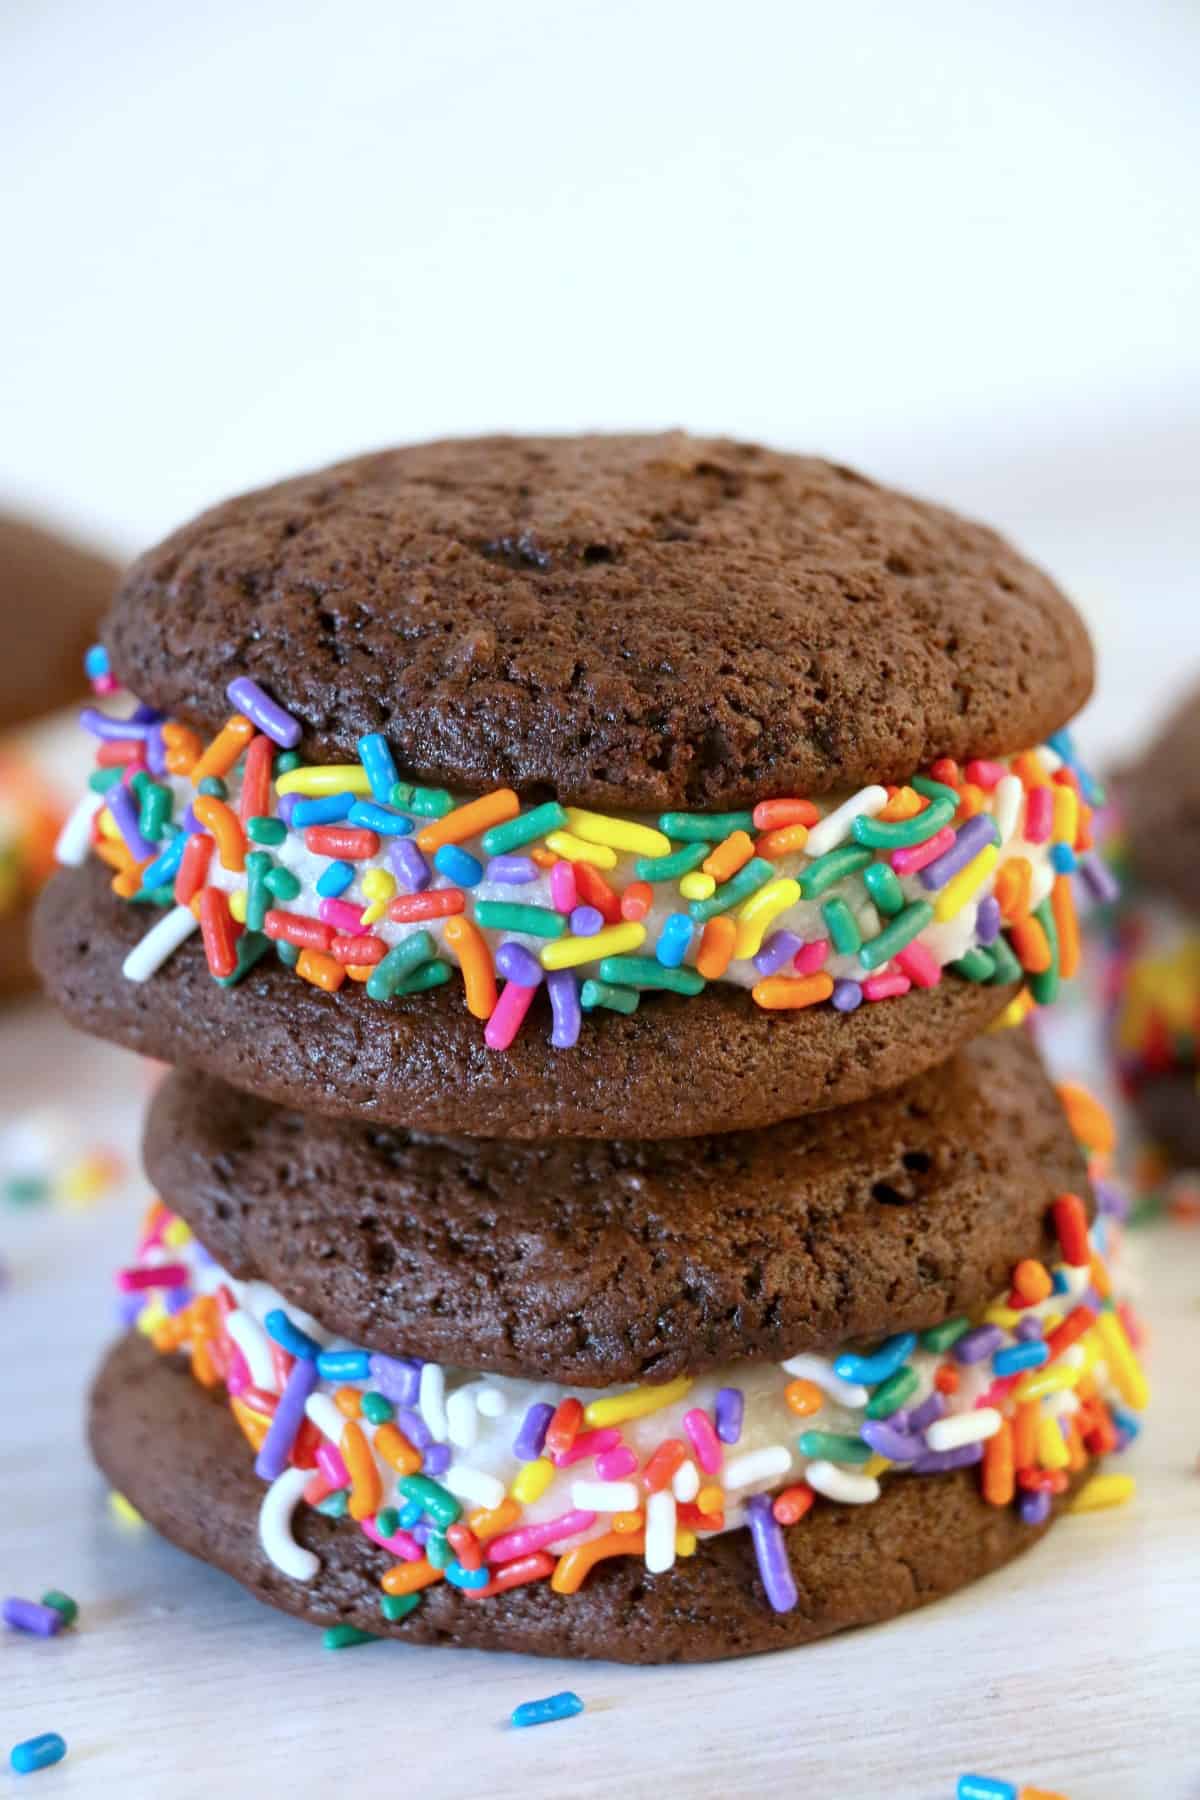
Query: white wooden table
x=1078, y=1669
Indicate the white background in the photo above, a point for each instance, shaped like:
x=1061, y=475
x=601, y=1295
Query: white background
x=956, y=245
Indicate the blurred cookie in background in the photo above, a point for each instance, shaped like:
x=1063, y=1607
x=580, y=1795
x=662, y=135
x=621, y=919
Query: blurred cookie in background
x=53, y=592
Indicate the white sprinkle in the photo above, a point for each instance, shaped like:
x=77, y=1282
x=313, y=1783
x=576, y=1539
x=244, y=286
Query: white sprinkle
x=75, y=838
x=275, y=1526
x=462, y=1421
x=821, y=1372
x=255, y=1346
x=686, y=1482
x=836, y=826
x=325, y=1416
x=1006, y=805
x=431, y=1398
x=757, y=1465
x=605, y=1496
x=491, y=1403
x=963, y=1428
x=160, y=942
x=840, y=1484
x=660, y=1531
x=473, y=1485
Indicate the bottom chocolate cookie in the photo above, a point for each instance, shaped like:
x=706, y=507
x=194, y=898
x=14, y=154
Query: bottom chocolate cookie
x=1168, y=1110
x=173, y=1449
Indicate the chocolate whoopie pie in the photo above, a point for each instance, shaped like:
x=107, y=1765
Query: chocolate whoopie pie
x=614, y=787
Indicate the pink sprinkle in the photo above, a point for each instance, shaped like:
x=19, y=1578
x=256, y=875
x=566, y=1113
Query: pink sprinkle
x=809, y=957
x=511, y=1544
x=985, y=774
x=341, y=914
x=507, y=1015
x=915, y=856
x=1039, y=814
x=166, y=1275
x=104, y=684
x=329, y=1461
x=318, y=1489
x=401, y=1543
x=614, y=1465
x=563, y=891
x=917, y=962
x=588, y=1443
x=704, y=1440
x=885, y=987
x=237, y=1378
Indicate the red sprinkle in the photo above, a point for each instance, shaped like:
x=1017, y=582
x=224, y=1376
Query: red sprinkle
x=193, y=868
x=358, y=952
x=563, y=1428
x=440, y=904
x=518, y=1573
x=1070, y=1222
x=1079, y=1320
x=637, y=900
x=255, y=802
x=298, y=929
x=946, y=1379
x=772, y=815
x=350, y=842
x=595, y=891
x=669, y=1456
x=791, y=1505
x=219, y=932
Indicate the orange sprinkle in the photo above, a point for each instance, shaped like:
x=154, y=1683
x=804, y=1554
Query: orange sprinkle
x=782, y=842
x=1101, y=1280
x=771, y=815
x=946, y=1379
x=366, y=1489
x=999, y=1470
x=221, y=820
x=224, y=750
x=1088, y=1120
x=1031, y=945
x=804, y=1397
x=475, y=961
x=726, y=858
x=409, y=1577
x=255, y=797
x=545, y=859
x=1024, y=1434
x=574, y=1566
x=564, y=1425
x=321, y=970
x=945, y=770
x=670, y=1455
x=792, y=1503
x=128, y=882
x=402, y=1456
x=1077, y=1456
x=716, y=947
x=625, y=1522
x=779, y=992
x=203, y=1370
x=710, y=1500
x=469, y=820
x=594, y=891
x=348, y=1401
x=169, y=1334
x=486, y=1521
x=1062, y=906
x=903, y=803
x=637, y=900
x=1031, y=1281
x=114, y=853
x=1031, y=769
x=360, y=971
x=183, y=748
x=254, y=1425
x=972, y=800
x=1083, y=837
x=1013, y=884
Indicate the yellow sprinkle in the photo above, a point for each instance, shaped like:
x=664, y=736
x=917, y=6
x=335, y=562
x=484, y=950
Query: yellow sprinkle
x=877, y=1466
x=612, y=940
x=696, y=885
x=1103, y=1490
x=124, y=1509
x=151, y=1317
x=968, y=881
x=1001, y=1315
x=1123, y=1365
x=325, y=778
x=1052, y=1450
x=108, y=825
x=758, y=911
x=532, y=1480
x=1054, y=1380
x=617, y=834
x=177, y=1234
x=1015, y=1012
x=237, y=905
x=1065, y=826
x=377, y=884
x=619, y=1407
x=575, y=849
x=371, y=914
x=685, y=1543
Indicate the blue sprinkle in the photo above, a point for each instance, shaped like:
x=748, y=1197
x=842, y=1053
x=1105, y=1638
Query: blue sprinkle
x=377, y=760
x=1063, y=858
x=459, y=1577
x=328, y=809
x=344, y=1365
x=544, y=1712
x=381, y=819
x=673, y=940
x=984, y=1787
x=335, y=879
x=870, y=1370
x=1060, y=1283
x=1020, y=1356
x=37, y=1753
x=294, y=1341
x=95, y=662
x=410, y=1515
x=166, y=864
x=1125, y=1422
x=459, y=866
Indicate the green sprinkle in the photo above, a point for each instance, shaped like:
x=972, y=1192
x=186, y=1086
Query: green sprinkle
x=711, y=827
x=139, y=784
x=513, y=915
x=258, y=892
x=163, y=895
x=895, y=936
x=401, y=795
x=976, y=965
x=288, y=954
x=344, y=1637
x=283, y=884
x=891, y=1394
x=896, y=834
x=334, y=1505
x=834, y=1447
x=399, y=964
x=437, y=1550
x=100, y=780
x=835, y=865
x=63, y=1604
x=213, y=786
x=670, y=868
x=747, y=881
x=26, y=1190
x=936, y=790
x=158, y=803
x=378, y=1408
x=265, y=830
x=646, y=972
x=387, y=1521
x=285, y=762
x=1007, y=967
x=883, y=887
x=429, y=975
x=431, y=1497
x=941, y=1337
x=604, y=993
x=524, y=829
x=1044, y=987
x=841, y=925
x=398, y=1606
x=252, y=946
x=427, y=803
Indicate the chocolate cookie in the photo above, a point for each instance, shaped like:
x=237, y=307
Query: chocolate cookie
x=678, y=1067
x=1160, y=807
x=591, y=1263
x=175, y=1452
x=53, y=592
x=1167, y=1104
x=639, y=622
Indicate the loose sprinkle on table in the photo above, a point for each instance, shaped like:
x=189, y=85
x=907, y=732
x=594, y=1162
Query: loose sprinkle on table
x=545, y=1712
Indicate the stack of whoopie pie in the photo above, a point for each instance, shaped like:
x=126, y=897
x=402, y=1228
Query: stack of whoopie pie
x=571, y=879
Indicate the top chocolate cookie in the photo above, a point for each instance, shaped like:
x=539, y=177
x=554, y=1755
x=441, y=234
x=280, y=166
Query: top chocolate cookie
x=645, y=622
x=1160, y=798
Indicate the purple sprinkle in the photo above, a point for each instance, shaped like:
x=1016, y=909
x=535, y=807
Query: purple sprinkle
x=422, y=1531
x=286, y=806
x=532, y=1435
x=398, y=1378
x=272, y=1457
x=771, y=1552
x=973, y=1346
x=516, y=964
x=101, y=726
x=1034, y=1507
x=512, y=871
x=931, y=1408
x=847, y=995
x=1098, y=878
x=586, y=921
x=1111, y=1200
x=408, y=865
x=414, y=1428
x=564, y=1002
x=156, y=751
x=937, y=1462
x=28, y=1615
x=146, y=715
x=1028, y=1329
x=974, y=836
x=177, y=1298
x=437, y=1460
x=779, y=948
x=123, y=807
x=128, y=1308
x=729, y=1407
x=886, y=1440
x=987, y=920
x=270, y=718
